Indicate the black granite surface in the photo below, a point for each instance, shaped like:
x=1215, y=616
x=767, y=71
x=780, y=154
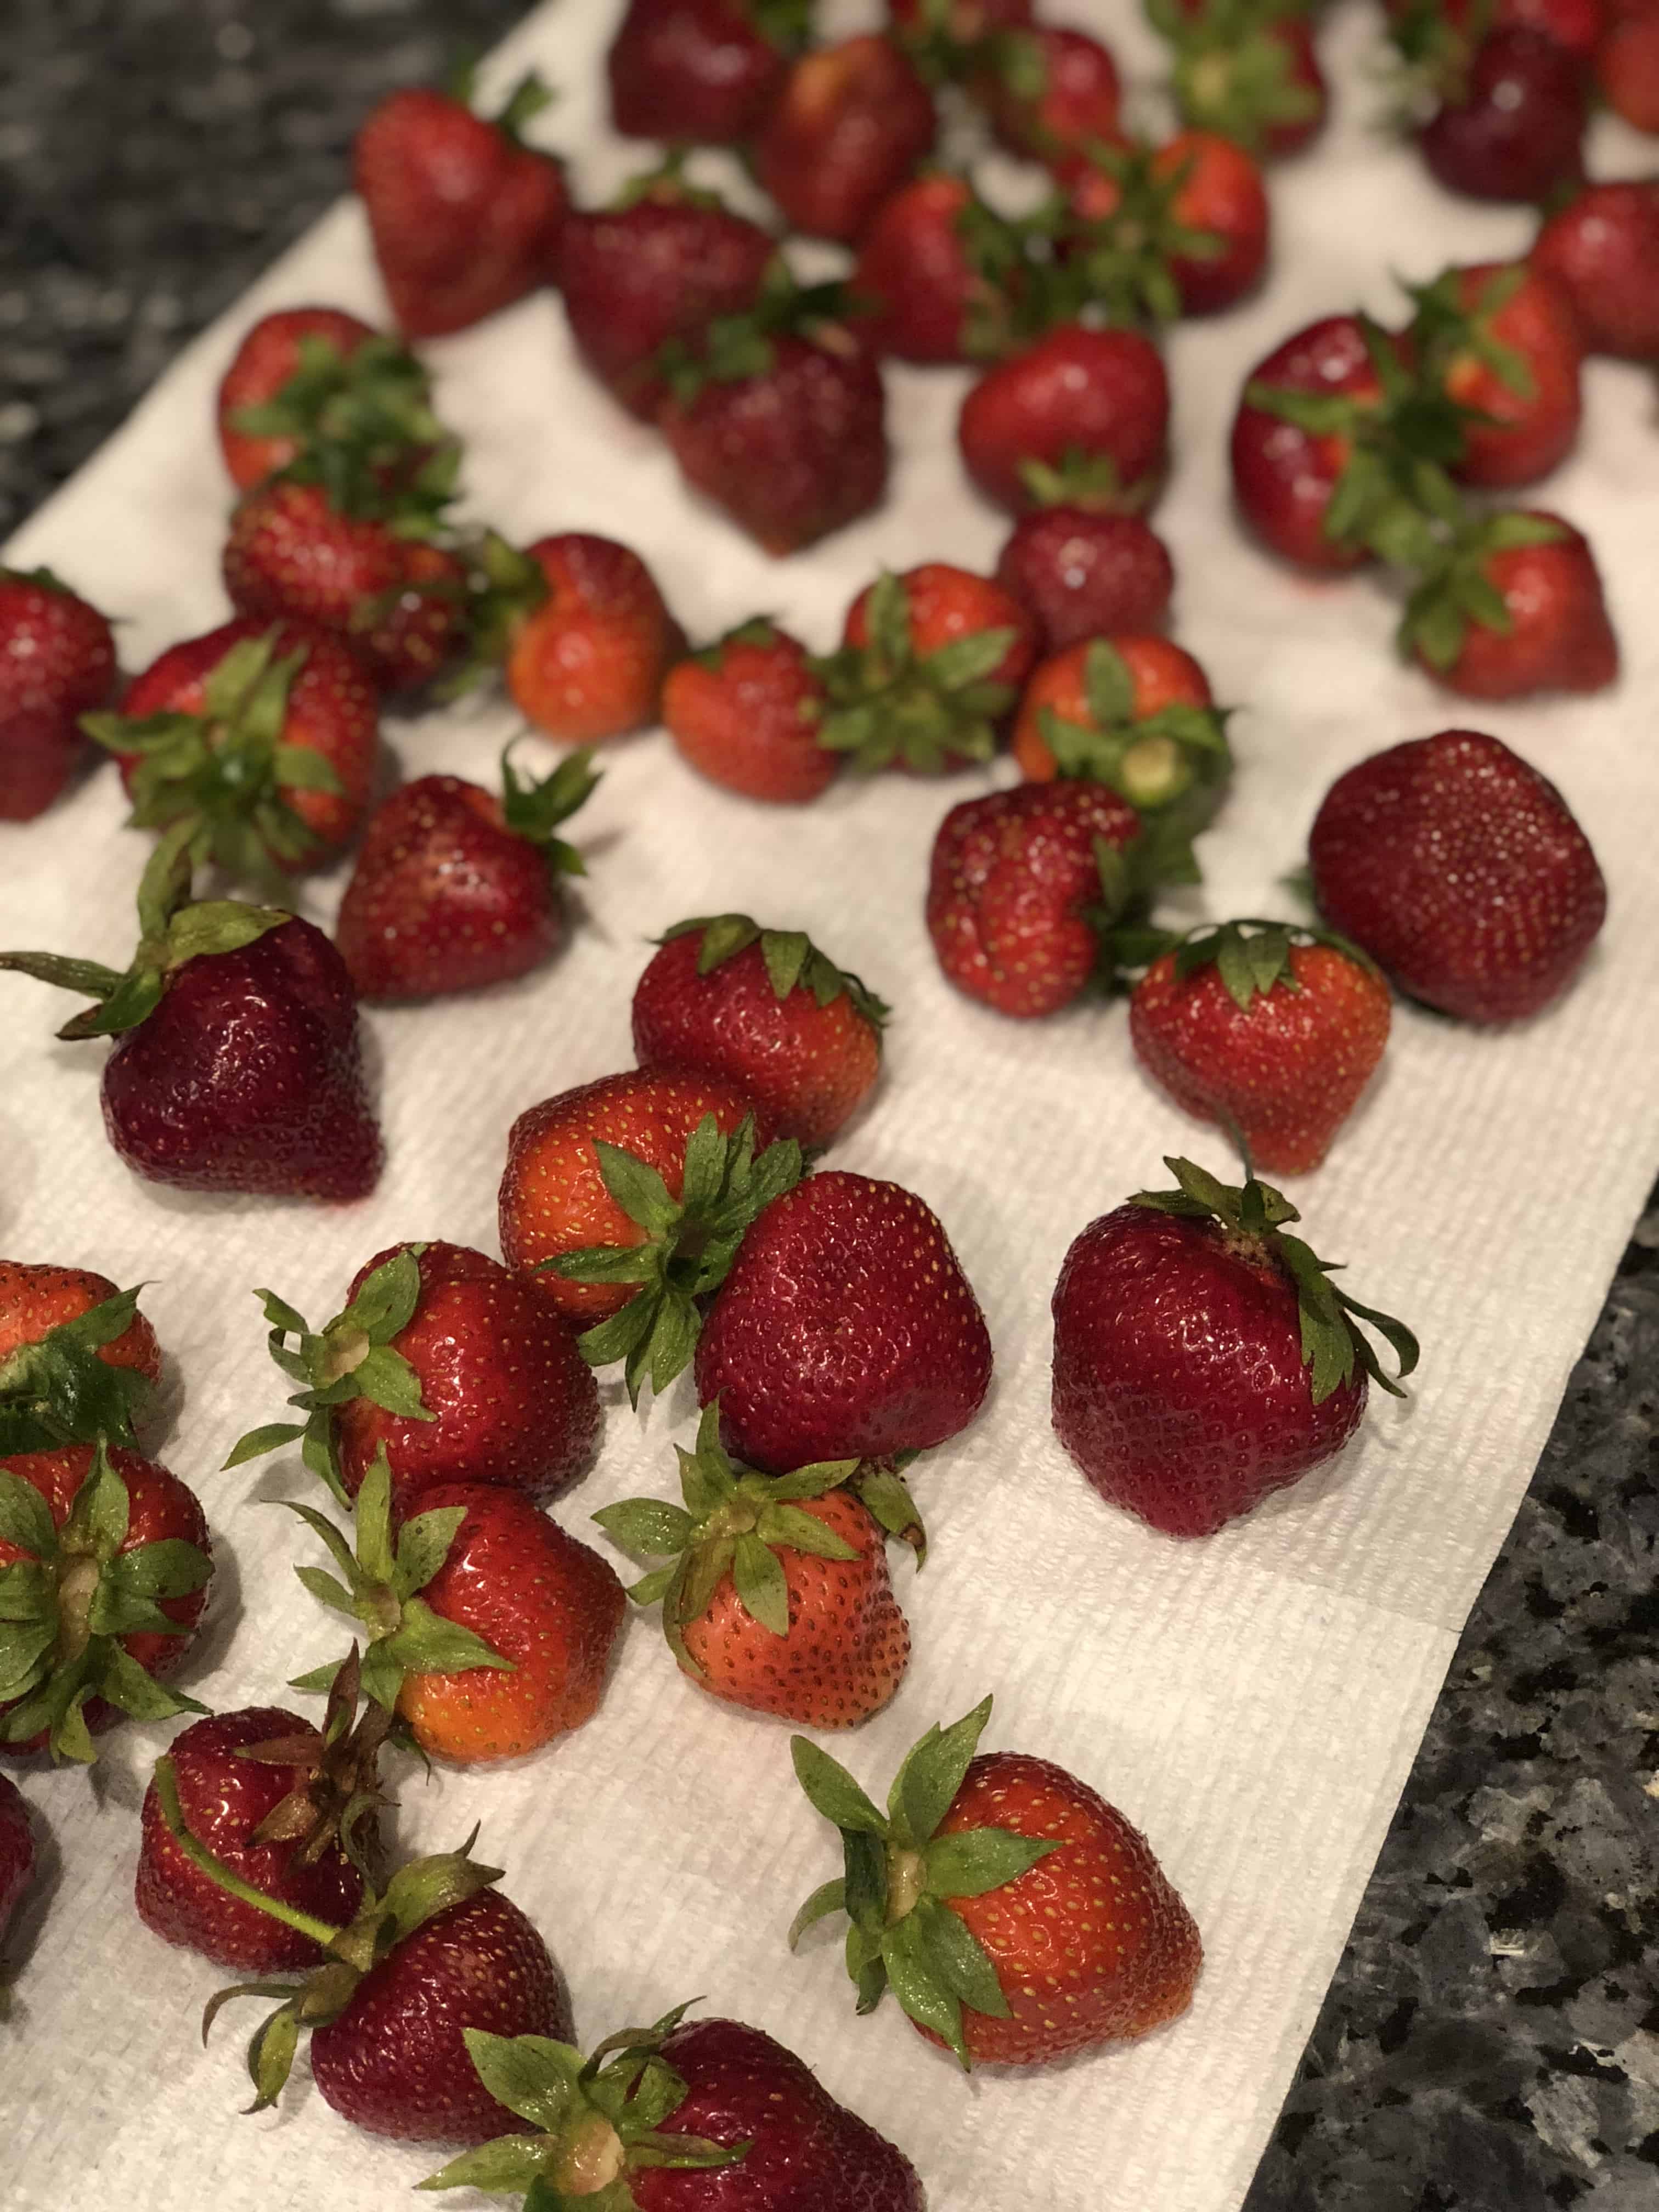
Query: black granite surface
x=1491, y=2041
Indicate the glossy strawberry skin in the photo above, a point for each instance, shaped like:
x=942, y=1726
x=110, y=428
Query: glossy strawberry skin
x=1179, y=1387
x=1560, y=637
x=848, y=125
x=267, y=357
x=588, y=663
x=1284, y=476
x=945, y=604
x=914, y=264
x=395, y=2062
x=1602, y=248
x=1530, y=432
x=1013, y=876
x=1086, y=575
x=696, y=71
x=1461, y=871
x=57, y=663
x=537, y=1596
x=224, y=1799
x=1222, y=193
x=1098, y=392
x=1079, y=102
x=17, y=1850
x=515, y=1402
x=37, y=1297
x=749, y=722
x=1516, y=133
x=248, y=1076
x=845, y=1329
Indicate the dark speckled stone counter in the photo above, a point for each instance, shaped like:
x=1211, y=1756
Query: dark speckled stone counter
x=1491, y=2041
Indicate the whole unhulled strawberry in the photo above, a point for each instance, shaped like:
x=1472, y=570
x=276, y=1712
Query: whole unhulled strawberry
x=1271, y=1031
x=1501, y=340
x=452, y=1365
x=1017, y=1917
x=1515, y=129
x=77, y=1359
x=1203, y=1356
x=1512, y=606
x=745, y=712
x=701, y=72
x=1154, y=232
x=1082, y=415
x=777, y=1596
x=1083, y=574
x=1461, y=871
x=766, y=1012
x=585, y=637
x=704, y=2116
x=1051, y=91
x=845, y=1329
x=1135, y=713
x=309, y=379
x=465, y=217
x=1602, y=248
x=107, y=1558
x=847, y=126
x=17, y=1850
x=1247, y=71
x=237, y=1065
x=57, y=663
x=455, y=889
x=941, y=272
x=1300, y=418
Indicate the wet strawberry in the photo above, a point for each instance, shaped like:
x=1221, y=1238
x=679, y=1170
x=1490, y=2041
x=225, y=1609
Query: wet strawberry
x=1627, y=69
x=1157, y=232
x=1602, y=248
x=1513, y=607
x=57, y=663
x=1084, y=575
x=745, y=714
x=1516, y=130
x=701, y=72
x=77, y=1359
x=938, y=268
x=1082, y=415
x=848, y=125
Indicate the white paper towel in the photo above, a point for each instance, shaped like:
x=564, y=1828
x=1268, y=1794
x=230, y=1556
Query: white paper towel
x=1253, y=1703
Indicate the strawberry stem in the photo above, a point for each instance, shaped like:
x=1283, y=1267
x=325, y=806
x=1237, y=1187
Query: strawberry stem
x=304, y=1923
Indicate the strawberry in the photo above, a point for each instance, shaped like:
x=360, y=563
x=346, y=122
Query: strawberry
x=1246, y=71
x=455, y=889
x=305, y=378
x=744, y=712
x=17, y=1849
x=1050, y=91
x=845, y=1329
x=939, y=270
x=849, y=123
x=450, y=1365
x=1004, y=1964
x=778, y=1597
x=1513, y=606
x=1502, y=342
x=963, y=23
x=289, y=1808
x=1132, y=713
x=264, y=739
x=1157, y=232
x=237, y=1065
x=465, y=217
x=1082, y=416
x=1271, y=1031
x=765, y=1011
x=92, y=1534
x=57, y=663
x=702, y=72
x=77, y=1359
x=1204, y=1358
x=930, y=662
x=1515, y=129
x=1084, y=575
x=1602, y=249
x=587, y=638
x=1461, y=871
x=706, y=2117
x=1627, y=69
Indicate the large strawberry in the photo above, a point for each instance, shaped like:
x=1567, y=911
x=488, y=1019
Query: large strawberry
x=57, y=663
x=849, y=123
x=1203, y=1356
x=1502, y=340
x=305, y=379
x=1271, y=1031
x=455, y=889
x=845, y=1329
x=1084, y=575
x=104, y=1571
x=582, y=633
x=17, y=1850
x=465, y=217
x=77, y=1358
x=1133, y=713
x=1511, y=604
x=1081, y=415
x=745, y=712
x=1015, y=1916
x=1602, y=248
x=700, y=71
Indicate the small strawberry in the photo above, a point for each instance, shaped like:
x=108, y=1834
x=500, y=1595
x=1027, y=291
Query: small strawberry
x=465, y=217
x=1050, y=91
x=57, y=663
x=585, y=635
x=77, y=1358
x=1501, y=340
x=778, y=1597
x=105, y=1559
x=1602, y=249
x=1082, y=416
x=1271, y=1031
x=1627, y=69
x=765, y=1011
x=1514, y=129
x=701, y=72
x=849, y=123
x=1005, y=1964
x=1084, y=575
x=941, y=272
x=845, y=1329
x=1204, y=1358
x=1245, y=70
x=305, y=378
x=1155, y=232
x=1461, y=871
x=744, y=712
x=449, y=1363
x=455, y=889
x=929, y=665
x=1132, y=713
x=1512, y=607
x=17, y=1850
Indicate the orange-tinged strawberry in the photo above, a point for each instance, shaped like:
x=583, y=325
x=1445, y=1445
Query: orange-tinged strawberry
x=294, y=380
x=1134, y=714
x=745, y=714
x=61, y=1331
x=589, y=661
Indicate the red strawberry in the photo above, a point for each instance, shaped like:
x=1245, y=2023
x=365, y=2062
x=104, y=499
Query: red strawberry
x=1006, y=1965
x=591, y=640
x=1627, y=69
x=57, y=663
x=17, y=1852
x=1515, y=132
x=1501, y=340
x=77, y=1359
x=764, y=1011
x=964, y=23
x=466, y=218
x=1271, y=1031
x=301, y=377
x=939, y=270
x=1285, y=471
x=745, y=714
x=1602, y=248
x=237, y=1065
x=849, y=123
x=1133, y=713
x=1244, y=70
x=1513, y=607
x=1050, y=91
x=1082, y=415
x=845, y=1329
x=96, y=1533
x=1203, y=1358
x=1086, y=575
x=455, y=889
x=1157, y=232
x=1461, y=871
x=454, y=1367
x=702, y=72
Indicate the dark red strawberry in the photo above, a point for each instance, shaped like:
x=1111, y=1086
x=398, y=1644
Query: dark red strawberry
x=1203, y=1356
x=1602, y=248
x=17, y=1851
x=1246, y=71
x=848, y=125
x=701, y=72
x=1155, y=232
x=465, y=217
x=455, y=889
x=942, y=273
x=1501, y=341
x=1083, y=574
x=77, y=1359
x=1461, y=871
x=310, y=378
x=108, y=1558
x=1050, y=91
x=1082, y=415
x=1515, y=130
x=57, y=663
x=745, y=714
x=1514, y=606
x=1294, y=438
x=845, y=1329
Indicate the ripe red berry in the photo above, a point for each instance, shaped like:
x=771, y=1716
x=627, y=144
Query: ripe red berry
x=1082, y=415
x=1083, y=574
x=849, y=123
x=57, y=663
x=745, y=712
x=1602, y=248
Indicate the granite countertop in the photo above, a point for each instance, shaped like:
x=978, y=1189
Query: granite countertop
x=1491, y=2043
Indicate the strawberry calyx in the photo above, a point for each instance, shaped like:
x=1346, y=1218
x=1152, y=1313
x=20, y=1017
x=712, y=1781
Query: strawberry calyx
x=690, y=1244
x=1443, y=331
x=666, y=185
x=900, y=1875
x=1434, y=53
x=731, y=348
x=533, y=808
x=1253, y=957
x=1009, y=302
x=1179, y=753
x=375, y=401
x=65, y=1607
x=885, y=701
x=56, y=1390
x=350, y=1356
x=1252, y=1221
x=791, y=959
x=1116, y=266
x=336, y=1786
x=1454, y=588
x=1230, y=74
x=937, y=50
x=597, y=2120
x=47, y=578
x=1081, y=479
x=504, y=589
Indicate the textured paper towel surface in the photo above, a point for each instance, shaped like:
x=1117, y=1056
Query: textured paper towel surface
x=1253, y=1704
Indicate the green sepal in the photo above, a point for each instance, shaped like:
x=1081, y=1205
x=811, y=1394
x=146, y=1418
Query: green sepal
x=792, y=961
x=1178, y=755
x=731, y=349
x=1230, y=75
x=1253, y=957
x=1118, y=267
x=57, y=1390
x=1454, y=591
x=886, y=702
x=533, y=809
